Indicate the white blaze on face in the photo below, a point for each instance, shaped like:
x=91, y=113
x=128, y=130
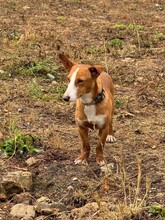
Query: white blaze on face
x=72, y=89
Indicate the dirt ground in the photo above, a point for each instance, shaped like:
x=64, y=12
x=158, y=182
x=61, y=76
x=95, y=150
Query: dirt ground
x=128, y=39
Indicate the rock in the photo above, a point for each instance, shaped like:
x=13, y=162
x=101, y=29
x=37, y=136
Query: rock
x=2, y=197
x=20, y=110
x=107, y=168
x=87, y=210
x=50, y=76
x=94, y=210
x=24, y=198
x=70, y=188
x=24, y=211
x=140, y=79
x=31, y=161
x=46, y=206
x=41, y=217
x=16, y=182
x=54, y=83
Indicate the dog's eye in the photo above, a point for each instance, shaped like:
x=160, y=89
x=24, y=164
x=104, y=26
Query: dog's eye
x=80, y=81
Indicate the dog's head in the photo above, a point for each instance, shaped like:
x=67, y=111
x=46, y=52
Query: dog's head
x=81, y=78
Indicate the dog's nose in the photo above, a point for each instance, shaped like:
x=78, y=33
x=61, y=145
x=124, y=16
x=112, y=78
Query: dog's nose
x=66, y=98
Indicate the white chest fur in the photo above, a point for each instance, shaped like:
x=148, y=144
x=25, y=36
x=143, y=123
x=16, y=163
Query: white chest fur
x=90, y=112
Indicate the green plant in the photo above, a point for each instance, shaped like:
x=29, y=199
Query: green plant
x=60, y=18
x=129, y=27
x=35, y=89
x=19, y=143
x=115, y=42
x=157, y=210
x=160, y=36
x=134, y=27
x=92, y=50
x=58, y=91
x=119, y=26
x=118, y=102
x=37, y=67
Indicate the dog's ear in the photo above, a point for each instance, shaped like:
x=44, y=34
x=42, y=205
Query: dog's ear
x=66, y=62
x=95, y=70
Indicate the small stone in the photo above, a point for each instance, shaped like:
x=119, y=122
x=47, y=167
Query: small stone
x=54, y=83
x=20, y=110
x=153, y=147
x=70, y=188
x=25, y=198
x=75, y=178
x=140, y=79
x=41, y=217
x=2, y=197
x=50, y=76
x=31, y=161
x=26, y=7
x=107, y=168
x=128, y=60
x=46, y=206
x=24, y=211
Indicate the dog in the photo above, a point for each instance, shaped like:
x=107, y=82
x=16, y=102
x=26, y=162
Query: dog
x=93, y=91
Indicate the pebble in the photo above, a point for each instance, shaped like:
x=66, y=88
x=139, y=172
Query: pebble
x=31, y=161
x=50, y=76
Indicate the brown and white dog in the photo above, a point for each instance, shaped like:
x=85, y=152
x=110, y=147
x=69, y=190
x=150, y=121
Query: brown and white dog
x=93, y=91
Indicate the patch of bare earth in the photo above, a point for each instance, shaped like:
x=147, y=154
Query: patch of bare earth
x=36, y=31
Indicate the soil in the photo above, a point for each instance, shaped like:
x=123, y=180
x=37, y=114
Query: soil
x=33, y=32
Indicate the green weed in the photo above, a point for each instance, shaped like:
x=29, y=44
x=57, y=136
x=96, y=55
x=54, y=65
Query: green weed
x=115, y=42
x=58, y=91
x=35, y=89
x=119, y=26
x=160, y=36
x=129, y=27
x=135, y=27
x=92, y=50
x=118, y=102
x=53, y=92
x=158, y=210
x=60, y=18
x=19, y=143
x=37, y=67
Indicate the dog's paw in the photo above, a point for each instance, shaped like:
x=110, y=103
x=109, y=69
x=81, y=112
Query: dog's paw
x=101, y=163
x=110, y=139
x=100, y=160
x=80, y=161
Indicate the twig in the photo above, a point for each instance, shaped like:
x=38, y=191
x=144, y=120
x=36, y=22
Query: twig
x=19, y=168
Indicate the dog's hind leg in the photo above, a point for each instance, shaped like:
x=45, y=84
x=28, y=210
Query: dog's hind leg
x=99, y=149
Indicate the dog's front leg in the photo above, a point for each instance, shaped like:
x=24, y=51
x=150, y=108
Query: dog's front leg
x=85, y=151
x=99, y=149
